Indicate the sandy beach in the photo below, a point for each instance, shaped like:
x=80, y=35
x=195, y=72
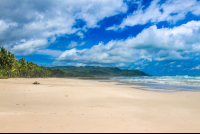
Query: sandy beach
x=76, y=105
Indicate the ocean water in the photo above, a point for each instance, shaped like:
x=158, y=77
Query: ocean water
x=164, y=83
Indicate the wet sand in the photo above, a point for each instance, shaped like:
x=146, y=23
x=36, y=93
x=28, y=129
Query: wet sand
x=76, y=105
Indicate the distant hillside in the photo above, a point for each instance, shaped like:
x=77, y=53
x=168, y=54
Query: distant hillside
x=100, y=71
x=10, y=67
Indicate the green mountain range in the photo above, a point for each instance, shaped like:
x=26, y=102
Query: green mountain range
x=100, y=71
x=10, y=67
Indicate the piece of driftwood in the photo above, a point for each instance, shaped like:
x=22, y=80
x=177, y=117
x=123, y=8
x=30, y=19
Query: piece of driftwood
x=36, y=82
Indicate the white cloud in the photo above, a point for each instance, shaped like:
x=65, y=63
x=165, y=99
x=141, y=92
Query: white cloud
x=30, y=46
x=138, y=68
x=72, y=44
x=81, y=35
x=114, y=28
x=172, y=55
x=151, y=44
x=107, y=54
x=75, y=44
x=53, y=53
x=196, y=47
x=33, y=20
x=80, y=64
x=196, y=68
x=179, y=38
x=96, y=10
x=5, y=26
x=171, y=11
x=121, y=65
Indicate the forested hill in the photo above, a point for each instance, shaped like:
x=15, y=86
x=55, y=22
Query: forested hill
x=10, y=67
x=100, y=71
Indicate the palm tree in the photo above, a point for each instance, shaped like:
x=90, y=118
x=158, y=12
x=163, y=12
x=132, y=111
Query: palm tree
x=11, y=59
x=22, y=66
x=3, y=57
x=31, y=68
x=6, y=58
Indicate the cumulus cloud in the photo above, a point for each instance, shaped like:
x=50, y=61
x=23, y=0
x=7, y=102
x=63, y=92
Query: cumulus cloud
x=53, y=53
x=196, y=68
x=75, y=44
x=4, y=26
x=106, y=54
x=80, y=64
x=28, y=47
x=34, y=20
x=81, y=35
x=171, y=11
x=151, y=44
x=99, y=9
x=165, y=41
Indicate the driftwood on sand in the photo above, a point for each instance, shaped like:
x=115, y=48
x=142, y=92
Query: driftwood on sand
x=36, y=82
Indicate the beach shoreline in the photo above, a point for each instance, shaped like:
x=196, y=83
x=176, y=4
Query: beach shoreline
x=84, y=105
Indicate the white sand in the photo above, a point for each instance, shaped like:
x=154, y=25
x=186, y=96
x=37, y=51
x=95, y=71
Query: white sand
x=72, y=105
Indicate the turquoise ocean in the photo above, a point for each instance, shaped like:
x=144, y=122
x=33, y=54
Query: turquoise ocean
x=163, y=83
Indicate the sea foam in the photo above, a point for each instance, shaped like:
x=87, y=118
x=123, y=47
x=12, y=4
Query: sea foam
x=188, y=81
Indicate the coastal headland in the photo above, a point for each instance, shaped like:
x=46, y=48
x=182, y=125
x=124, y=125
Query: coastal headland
x=78, y=105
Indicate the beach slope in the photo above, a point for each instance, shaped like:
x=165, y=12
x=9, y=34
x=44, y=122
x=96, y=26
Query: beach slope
x=75, y=105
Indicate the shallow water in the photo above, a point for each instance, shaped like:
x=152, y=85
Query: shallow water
x=163, y=83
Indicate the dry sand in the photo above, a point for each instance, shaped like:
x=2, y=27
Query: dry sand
x=74, y=105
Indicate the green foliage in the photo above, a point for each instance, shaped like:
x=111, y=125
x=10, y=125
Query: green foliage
x=11, y=67
x=7, y=59
x=100, y=71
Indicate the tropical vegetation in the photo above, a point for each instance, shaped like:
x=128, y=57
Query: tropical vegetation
x=100, y=71
x=11, y=67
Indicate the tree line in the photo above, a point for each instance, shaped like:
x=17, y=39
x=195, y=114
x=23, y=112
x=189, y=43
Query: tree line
x=101, y=71
x=11, y=67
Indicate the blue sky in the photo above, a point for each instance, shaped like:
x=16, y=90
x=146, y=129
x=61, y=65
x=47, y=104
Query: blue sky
x=159, y=37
